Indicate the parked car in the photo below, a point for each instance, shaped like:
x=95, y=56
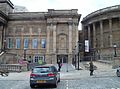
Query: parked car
x=118, y=71
x=44, y=75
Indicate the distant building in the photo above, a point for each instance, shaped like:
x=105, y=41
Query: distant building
x=34, y=36
x=20, y=9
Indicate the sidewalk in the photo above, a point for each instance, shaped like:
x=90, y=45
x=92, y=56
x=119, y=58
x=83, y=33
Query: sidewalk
x=103, y=70
x=68, y=72
x=105, y=61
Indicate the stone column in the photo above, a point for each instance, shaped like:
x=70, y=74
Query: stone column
x=94, y=36
x=22, y=38
x=30, y=37
x=39, y=37
x=101, y=34
x=48, y=38
x=54, y=37
x=110, y=29
x=76, y=34
x=89, y=36
x=70, y=37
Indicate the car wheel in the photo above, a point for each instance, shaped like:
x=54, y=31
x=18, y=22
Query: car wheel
x=32, y=86
x=55, y=85
x=59, y=80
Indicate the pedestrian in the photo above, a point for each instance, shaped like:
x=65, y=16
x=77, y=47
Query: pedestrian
x=91, y=68
x=59, y=65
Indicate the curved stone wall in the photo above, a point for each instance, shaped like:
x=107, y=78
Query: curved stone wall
x=102, y=29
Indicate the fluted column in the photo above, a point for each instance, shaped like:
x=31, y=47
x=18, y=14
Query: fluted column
x=30, y=37
x=76, y=34
x=48, y=38
x=70, y=37
x=94, y=36
x=89, y=36
x=110, y=28
x=101, y=34
x=54, y=37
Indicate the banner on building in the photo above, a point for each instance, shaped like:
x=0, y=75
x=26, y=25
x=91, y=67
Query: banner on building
x=86, y=45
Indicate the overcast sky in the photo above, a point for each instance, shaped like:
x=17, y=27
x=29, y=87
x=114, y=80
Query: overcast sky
x=84, y=7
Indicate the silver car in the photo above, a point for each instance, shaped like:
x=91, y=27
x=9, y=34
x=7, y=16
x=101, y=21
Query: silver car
x=44, y=75
x=118, y=71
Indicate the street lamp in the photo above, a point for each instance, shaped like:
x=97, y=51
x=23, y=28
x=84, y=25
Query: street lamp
x=4, y=45
x=75, y=57
x=115, y=46
x=24, y=54
x=78, y=54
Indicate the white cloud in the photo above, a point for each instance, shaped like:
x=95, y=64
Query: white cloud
x=84, y=7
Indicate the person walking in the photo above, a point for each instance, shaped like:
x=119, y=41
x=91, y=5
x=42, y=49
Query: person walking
x=91, y=68
x=59, y=65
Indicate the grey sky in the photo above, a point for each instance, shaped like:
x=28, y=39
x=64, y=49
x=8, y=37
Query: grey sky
x=84, y=7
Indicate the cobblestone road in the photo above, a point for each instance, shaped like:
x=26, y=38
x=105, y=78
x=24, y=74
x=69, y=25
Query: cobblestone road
x=104, y=78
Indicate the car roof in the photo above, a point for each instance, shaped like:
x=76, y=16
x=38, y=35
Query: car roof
x=46, y=65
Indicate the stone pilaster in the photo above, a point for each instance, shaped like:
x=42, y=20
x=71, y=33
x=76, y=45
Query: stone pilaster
x=94, y=36
x=22, y=38
x=30, y=37
x=101, y=34
x=39, y=37
x=54, y=37
x=48, y=38
x=110, y=29
x=76, y=34
x=89, y=35
x=70, y=37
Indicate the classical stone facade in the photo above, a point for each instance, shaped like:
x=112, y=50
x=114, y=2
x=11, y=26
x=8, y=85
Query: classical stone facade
x=34, y=36
x=102, y=29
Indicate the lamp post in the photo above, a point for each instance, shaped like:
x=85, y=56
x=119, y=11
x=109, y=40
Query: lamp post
x=115, y=46
x=24, y=54
x=4, y=45
x=75, y=57
x=78, y=55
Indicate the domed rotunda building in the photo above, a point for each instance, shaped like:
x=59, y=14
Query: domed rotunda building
x=101, y=30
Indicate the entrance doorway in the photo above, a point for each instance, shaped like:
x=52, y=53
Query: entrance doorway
x=62, y=58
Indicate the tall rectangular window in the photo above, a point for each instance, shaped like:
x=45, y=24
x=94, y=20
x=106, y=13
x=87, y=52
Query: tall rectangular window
x=25, y=42
x=9, y=43
x=43, y=43
x=17, y=43
x=34, y=43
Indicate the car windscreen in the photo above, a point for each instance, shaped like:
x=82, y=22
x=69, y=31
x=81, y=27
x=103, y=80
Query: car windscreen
x=41, y=70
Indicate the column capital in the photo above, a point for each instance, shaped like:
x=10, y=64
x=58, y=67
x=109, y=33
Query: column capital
x=70, y=23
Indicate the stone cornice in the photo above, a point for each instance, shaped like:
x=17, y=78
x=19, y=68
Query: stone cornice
x=103, y=11
x=7, y=1
x=3, y=17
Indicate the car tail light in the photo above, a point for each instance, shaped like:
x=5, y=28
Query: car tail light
x=50, y=75
x=33, y=75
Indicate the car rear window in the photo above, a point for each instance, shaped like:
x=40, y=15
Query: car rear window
x=41, y=70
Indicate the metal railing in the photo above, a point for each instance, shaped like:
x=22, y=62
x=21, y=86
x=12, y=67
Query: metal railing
x=11, y=67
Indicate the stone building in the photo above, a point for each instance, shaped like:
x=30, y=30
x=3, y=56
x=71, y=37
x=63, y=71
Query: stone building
x=102, y=29
x=34, y=36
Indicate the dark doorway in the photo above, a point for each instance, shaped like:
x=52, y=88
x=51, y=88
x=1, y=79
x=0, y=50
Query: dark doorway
x=62, y=58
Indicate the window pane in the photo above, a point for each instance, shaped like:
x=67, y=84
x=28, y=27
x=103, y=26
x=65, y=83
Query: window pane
x=43, y=43
x=17, y=43
x=0, y=44
x=10, y=43
x=25, y=43
x=34, y=43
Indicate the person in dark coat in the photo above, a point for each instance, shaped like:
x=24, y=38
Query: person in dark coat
x=91, y=68
x=59, y=65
